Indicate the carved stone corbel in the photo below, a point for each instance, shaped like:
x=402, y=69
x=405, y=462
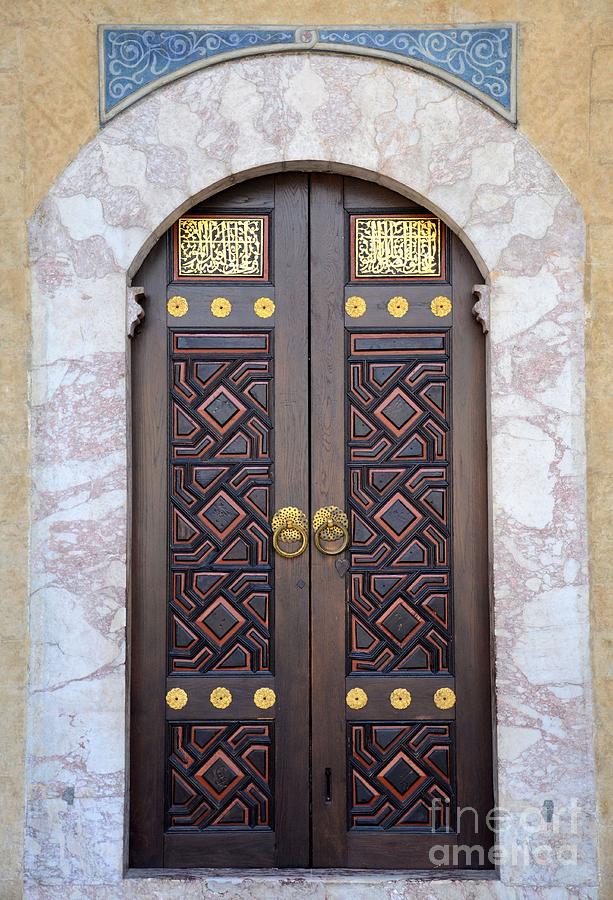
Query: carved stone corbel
x=481, y=309
x=134, y=309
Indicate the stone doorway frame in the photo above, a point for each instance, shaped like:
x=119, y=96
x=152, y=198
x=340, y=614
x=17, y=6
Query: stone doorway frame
x=424, y=139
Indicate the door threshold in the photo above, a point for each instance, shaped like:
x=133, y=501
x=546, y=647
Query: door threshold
x=321, y=874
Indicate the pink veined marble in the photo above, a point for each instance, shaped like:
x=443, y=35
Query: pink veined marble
x=180, y=144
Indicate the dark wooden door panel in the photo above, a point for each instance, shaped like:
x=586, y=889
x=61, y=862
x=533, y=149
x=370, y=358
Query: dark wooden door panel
x=414, y=606
x=221, y=780
x=361, y=386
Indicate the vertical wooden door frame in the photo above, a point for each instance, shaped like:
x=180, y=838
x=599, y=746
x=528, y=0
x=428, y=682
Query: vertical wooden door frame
x=470, y=560
x=149, y=571
x=327, y=488
x=291, y=488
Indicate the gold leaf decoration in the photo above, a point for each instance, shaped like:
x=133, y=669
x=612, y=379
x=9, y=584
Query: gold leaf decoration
x=220, y=307
x=221, y=698
x=264, y=307
x=264, y=698
x=444, y=698
x=222, y=246
x=355, y=307
x=177, y=306
x=441, y=306
x=176, y=698
x=356, y=698
x=398, y=307
x=400, y=698
x=397, y=246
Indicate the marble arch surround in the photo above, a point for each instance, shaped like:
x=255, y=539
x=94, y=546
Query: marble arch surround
x=425, y=139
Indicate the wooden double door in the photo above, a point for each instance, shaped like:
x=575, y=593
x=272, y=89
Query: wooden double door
x=308, y=343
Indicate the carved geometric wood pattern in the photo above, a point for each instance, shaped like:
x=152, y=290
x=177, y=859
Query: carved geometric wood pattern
x=220, y=776
x=401, y=776
x=398, y=483
x=220, y=611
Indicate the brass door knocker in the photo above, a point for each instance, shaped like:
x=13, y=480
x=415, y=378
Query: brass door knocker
x=330, y=524
x=290, y=525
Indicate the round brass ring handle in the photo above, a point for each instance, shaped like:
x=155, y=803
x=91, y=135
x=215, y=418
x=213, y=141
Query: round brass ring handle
x=289, y=524
x=290, y=554
x=331, y=524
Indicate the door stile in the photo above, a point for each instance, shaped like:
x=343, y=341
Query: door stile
x=470, y=564
x=291, y=475
x=327, y=488
x=148, y=571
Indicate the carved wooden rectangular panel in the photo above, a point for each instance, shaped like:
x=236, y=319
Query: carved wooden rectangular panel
x=398, y=483
x=221, y=247
x=220, y=776
x=221, y=571
x=397, y=247
x=401, y=776
x=231, y=343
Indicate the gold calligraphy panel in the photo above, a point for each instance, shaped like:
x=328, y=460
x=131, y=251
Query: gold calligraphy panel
x=397, y=246
x=220, y=247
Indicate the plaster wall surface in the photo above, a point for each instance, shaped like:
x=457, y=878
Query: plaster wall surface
x=48, y=110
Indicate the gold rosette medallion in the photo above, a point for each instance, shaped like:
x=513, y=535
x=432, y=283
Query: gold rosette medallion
x=177, y=306
x=264, y=698
x=400, y=698
x=398, y=307
x=441, y=306
x=221, y=698
x=220, y=307
x=264, y=307
x=355, y=307
x=356, y=698
x=444, y=698
x=176, y=698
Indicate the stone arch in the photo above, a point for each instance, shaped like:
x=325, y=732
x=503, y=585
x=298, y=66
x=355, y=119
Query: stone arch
x=191, y=138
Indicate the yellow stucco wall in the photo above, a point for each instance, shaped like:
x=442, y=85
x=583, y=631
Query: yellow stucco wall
x=48, y=110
